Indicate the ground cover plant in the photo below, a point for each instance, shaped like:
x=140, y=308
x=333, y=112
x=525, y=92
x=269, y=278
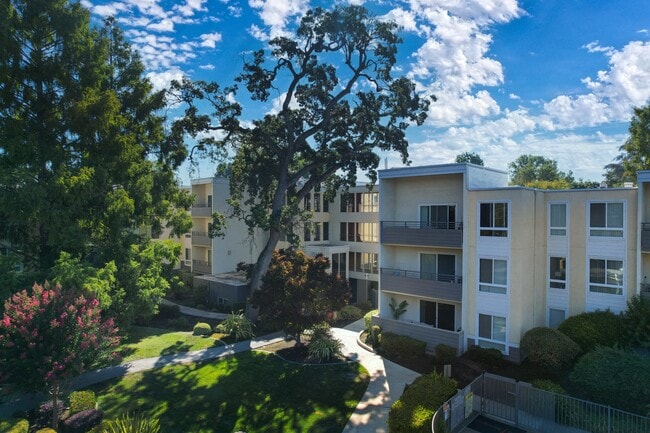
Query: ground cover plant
x=143, y=342
x=251, y=392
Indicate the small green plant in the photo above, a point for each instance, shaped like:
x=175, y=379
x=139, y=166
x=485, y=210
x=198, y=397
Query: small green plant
x=82, y=400
x=548, y=347
x=445, y=354
x=397, y=309
x=398, y=346
x=236, y=325
x=548, y=385
x=373, y=335
x=131, y=424
x=202, y=328
x=324, y=348
x=350, y=312
x=17, y=425
x=367, y=319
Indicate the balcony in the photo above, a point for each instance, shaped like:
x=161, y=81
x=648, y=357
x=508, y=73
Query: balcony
x=201, y=210
x=645, y=237
x=645, y=291
x=423, y=234
x=201, y=267
x=201, y=239
x=423, y=284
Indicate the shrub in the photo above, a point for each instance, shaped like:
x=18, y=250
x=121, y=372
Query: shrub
x=367, y=319
x=636, y=322
x=16, y=425
x=236, y=325
x=180, y=323
x=548, y=347
x=43, y=415
x=445, y=354
x=548, y=385
x=596, y=328
x=46, y=430
x=364, y=306
x=489, y=357
x=413, y=412
x=614, y=377
x=166, y=311
x=82, y=400
x=397, y=346
x=350, y=312
x=131, y=424
x=324, y=348
x=202, y=328
x=82, y=421
x=373, y=335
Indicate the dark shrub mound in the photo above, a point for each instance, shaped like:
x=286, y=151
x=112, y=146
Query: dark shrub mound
x=548, y=347
x=597, y=328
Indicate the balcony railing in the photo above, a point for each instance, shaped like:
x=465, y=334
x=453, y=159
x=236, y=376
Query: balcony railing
x=201, y=238
x=421, y=233
x=645, y=237
x=424, y=284
x=201, y=210
x=201, y=266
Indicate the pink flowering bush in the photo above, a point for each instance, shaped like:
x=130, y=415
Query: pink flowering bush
x=49, y=335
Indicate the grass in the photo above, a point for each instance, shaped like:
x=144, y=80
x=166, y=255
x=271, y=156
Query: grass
x=251, y=392
x=142, y=342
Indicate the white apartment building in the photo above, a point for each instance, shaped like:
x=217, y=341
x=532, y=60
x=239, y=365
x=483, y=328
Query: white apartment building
x=480, y=262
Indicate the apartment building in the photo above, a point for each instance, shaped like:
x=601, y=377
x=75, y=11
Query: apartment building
x=481, y=263
x=345, y=231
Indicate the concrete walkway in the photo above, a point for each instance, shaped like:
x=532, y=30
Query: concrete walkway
x=387, y=379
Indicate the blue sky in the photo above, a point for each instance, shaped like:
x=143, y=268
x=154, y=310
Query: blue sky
x=557, y=78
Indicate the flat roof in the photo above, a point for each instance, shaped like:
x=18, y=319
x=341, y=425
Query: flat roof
x=432, y=170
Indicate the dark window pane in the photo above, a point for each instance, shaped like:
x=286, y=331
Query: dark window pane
x=446, y=317
x=597, y=215
x=484, y=326
x=486, y=215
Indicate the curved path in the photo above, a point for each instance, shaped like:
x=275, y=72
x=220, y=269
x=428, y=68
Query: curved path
x=387, y=379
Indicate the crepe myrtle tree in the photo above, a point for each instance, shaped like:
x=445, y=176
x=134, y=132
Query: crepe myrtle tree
x=338, y=103
x=48, y=336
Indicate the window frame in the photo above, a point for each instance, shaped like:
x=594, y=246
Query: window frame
x=551, y=278
x=494, y=230
x=491, y=286
x=607, y=230
x=606, y=288
x=491, y=342
x=560, y=231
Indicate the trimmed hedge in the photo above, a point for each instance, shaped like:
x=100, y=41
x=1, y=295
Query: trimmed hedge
x=82, y=400
x=445, y=354
x=548, y=347
x=596, y=328
x=350, y=312
x=413, y=412
x=490, y=357
x=202, y=328
x=16, y=425
x=396, y=346
x=614, y=377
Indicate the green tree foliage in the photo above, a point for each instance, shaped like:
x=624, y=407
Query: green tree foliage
x=538, y=172
x=636, y=321
x=614, y=377
x=471, y=157
x=338, y=102
x=298, y=291
x=85, y=161
x=635, y=152
x=48, y=336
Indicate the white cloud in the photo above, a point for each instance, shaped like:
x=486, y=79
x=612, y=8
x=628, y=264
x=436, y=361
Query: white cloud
x=191, y=7
x=165, y=25
x=209, y=40
x=258, y=33
x=208, y=67
x=276, y=14
x=514, y=96
x=403, y=18
x=109, y=9
x=161, y=80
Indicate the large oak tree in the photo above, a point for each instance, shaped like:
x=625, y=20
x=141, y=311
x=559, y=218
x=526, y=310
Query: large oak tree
x=337, y=103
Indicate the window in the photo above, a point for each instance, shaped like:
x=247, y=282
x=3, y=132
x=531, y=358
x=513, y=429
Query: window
x=492, y=331
x=438, y=267
x=438, y=315
x=557, y=273
x=360, y=202
x=557, y=223
x=343, y=236
x=606, y=276
x=494, y=219
x=326, y=231
x=188, y=254
x=316, y=202
x=307, y=235
x=359, y=232
x=210, y=201
x=606, y=219
x=555, y=317
x=364, y=262
x=317, y=231
x=326, y=205
x=338, y=264
x=493, y=276
x=438, y=216
x=307, y=202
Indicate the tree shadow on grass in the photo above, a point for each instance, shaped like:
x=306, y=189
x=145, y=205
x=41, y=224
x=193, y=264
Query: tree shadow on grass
x=252, y=392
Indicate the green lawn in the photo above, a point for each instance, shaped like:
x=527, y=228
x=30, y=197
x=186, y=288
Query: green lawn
x=251, y=392
x=144, y=342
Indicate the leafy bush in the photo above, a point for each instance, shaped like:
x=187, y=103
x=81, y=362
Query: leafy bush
x=236, y=325
x=324, y=348
x=445, y=354
x=202, y=328
x=180, y=323
x=166, y=311
x=614, y=377
x=16, y=425
x=367, y=319
x=548, y=385
x=596, y=328
x=350, y=312
x=45, y=430
x=131, y=424
x=636, y=322
x=82, y=421
x=396, y=346
x=548, y=347
x=82, y=400
x=413, y=412
x=364, y=306
x=373, y=335
x=43, y=414
x=490, y=357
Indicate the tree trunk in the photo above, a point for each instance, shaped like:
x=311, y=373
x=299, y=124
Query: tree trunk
x=260, y=268
x=55, y=406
